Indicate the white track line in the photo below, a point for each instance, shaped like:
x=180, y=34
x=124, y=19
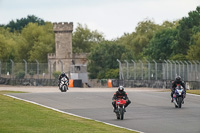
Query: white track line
x=193, y=94
x=70, y=113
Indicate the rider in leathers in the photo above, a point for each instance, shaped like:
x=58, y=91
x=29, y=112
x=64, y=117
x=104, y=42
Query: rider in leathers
x=61, y=76
x=120, y=94
x=174, y=84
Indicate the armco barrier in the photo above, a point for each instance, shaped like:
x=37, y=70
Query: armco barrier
x=77, y=83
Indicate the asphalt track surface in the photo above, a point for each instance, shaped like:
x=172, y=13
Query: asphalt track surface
x=149, y=112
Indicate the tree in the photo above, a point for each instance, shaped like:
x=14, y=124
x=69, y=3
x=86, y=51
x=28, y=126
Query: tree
x=185, y=27
x=8, y=45
x=84, y=39
x=37, y=42
x=162, y=45
x=103, y=57
x=194, y=50
x=139, y=40
x=19, y=24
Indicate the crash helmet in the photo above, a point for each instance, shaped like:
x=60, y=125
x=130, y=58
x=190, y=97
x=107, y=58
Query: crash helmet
x=121, y=88
x=178, y=78
x=63, y=73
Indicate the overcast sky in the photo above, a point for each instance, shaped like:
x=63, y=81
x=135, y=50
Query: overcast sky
x=111, y=17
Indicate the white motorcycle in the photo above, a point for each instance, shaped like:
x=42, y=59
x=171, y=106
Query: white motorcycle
x=64, y=84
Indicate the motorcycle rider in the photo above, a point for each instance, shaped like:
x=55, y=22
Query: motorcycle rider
x=61, y=76
x=174, y=84
x=120, y=94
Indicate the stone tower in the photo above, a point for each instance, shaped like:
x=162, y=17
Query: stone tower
x=63, y=39
x=62, y=59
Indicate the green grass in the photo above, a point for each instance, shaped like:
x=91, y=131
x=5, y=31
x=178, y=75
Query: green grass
x=194, y=92
x=22, y=117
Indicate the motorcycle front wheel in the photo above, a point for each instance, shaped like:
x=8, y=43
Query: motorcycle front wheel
x=180, y=100
x=121, y=113
x=64, y=88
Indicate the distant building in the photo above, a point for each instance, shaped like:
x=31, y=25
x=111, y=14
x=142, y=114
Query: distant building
x=64, y=60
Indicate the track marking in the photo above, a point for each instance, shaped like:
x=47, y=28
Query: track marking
x=193, y=94
x=70, y=113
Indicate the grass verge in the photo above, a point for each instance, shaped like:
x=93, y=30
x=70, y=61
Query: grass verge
x=22, y=117
x=197, y=92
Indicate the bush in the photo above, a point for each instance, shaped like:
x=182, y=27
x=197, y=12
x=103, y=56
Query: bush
x=31, y=73
x=20, y=75
x=112, y=74
x=56, y=74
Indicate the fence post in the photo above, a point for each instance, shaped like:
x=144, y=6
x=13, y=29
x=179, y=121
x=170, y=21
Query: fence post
x=183, y=69
x=198, y=68
x=175, y=68
x=134, y=66
x=191, y=66
x=149, y=68
x=127, y=71
x=156, y=68
x=37, y=68
x=25, y=66
x=187, y=70
x=120, y=77
x=195, y=70
x=171, y=69
x=178, y=68
x=49, y=68
x=141, y=69
x=12, y=68
x=167, y=68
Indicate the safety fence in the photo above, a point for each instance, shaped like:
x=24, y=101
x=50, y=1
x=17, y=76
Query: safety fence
x=34, y=70
x=159, y=70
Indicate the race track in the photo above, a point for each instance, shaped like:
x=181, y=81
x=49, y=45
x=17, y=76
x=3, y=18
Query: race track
x=149, y=112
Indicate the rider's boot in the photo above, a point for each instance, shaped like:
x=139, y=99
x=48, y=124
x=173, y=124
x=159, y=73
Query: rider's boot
x=172, y=100
x=115, y=110
x=124, y=109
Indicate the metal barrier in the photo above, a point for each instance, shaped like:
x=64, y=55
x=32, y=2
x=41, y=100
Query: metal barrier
x=159, y=70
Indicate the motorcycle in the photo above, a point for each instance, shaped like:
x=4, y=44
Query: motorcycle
x=120, y=103
x=63, y=84
x=178, y=96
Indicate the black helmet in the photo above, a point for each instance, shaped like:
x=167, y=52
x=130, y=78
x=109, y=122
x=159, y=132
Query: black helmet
x=63, y=73
x=121, y=88
x=178, y=78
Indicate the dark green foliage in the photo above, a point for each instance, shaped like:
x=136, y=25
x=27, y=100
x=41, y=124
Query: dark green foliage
x=19, y=24
x=103, y=58
x=84, y=39
x=112, y=74
x=31, y=73
x=20, y=74
x=163, y=45
x=185, y=29
x=56, y=74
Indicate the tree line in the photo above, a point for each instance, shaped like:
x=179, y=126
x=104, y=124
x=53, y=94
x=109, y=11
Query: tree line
x=33, y=38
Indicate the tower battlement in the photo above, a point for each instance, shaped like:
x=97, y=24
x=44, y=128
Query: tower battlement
x=63, y=27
